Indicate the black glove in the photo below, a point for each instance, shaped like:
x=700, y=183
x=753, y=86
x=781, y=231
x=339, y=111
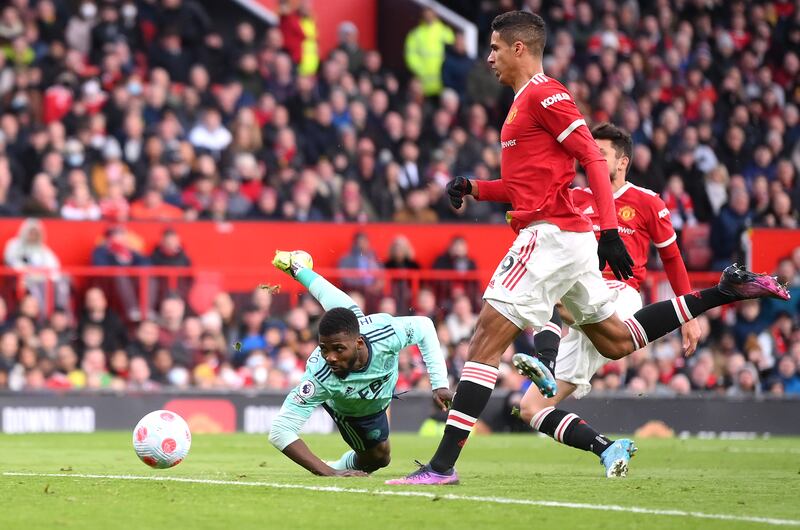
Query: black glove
x=611, y=249
x=456, y=189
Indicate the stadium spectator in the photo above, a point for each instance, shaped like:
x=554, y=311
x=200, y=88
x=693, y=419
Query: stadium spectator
x=96, y=312
x=425, y=51
x=28, y=250
x=117, y=251
x=727, y=228
x=153, y=207
x=347, y=34
x=360, y=265
x=461, y=320
x=456, y=258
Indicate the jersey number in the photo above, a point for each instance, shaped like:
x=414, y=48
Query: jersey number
x=508, y=262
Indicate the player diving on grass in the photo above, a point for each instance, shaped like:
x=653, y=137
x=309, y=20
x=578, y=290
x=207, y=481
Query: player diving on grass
x=643, y=217
x=555, y=254
x=352, y=375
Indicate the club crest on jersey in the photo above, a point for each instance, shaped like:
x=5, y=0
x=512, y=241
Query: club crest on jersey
x=626, y=213
x=511, y=115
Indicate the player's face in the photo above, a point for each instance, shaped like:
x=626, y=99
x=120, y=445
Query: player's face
x=340, y=352
x=613, y=161
x=500, y=58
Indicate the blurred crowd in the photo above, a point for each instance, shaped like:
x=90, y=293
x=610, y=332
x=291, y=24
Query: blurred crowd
x=143, y=109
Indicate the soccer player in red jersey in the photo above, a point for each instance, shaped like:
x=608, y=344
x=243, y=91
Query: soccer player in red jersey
x=555, y=254
x=643, y=217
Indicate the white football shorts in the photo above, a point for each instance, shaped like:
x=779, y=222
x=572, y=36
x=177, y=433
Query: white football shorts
x=543, y=266
x=578, y=360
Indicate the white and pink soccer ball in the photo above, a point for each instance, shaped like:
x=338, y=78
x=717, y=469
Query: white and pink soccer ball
x=162, y=439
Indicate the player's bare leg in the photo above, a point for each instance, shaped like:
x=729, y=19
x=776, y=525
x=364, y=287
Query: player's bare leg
x=533, y=402
x=369, y=460
x=374, y=458
x=493, y=334
x=615, y=338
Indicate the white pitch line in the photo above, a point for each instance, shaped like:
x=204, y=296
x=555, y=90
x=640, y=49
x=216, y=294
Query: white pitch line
x=430, y=495
x=754, y=450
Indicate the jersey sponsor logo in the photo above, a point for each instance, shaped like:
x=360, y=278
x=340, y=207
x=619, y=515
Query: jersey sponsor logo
x=626, y=230
x=307, y=389
x=555, y=98
x=374, y=387
x=663, y=213
x=313, y=360
x=511, y=115
x=626, y=213
x=508, y=143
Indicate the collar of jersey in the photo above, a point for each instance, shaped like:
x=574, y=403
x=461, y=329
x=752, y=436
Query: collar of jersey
x=625, y=187
x=369, y=356
x=526, y=85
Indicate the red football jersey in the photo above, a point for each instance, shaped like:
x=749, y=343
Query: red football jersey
x=642, y=217
x=541, y=137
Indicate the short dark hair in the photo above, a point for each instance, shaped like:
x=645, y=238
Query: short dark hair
x=528, y=28
x=338, y=320
x=620, y=138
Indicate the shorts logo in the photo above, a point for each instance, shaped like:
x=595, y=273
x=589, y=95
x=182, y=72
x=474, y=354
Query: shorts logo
x=307, y=389
x=511, y=115
x=626, y=213
x=374, y=434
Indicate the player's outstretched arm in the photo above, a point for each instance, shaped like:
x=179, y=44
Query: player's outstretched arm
x=299, y=452
x=296, y=410
x=324, y=291
x=422, y=332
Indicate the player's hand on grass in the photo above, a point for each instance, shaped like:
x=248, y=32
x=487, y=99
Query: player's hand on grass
x=690, y=332
x=611, y=250
x=443, y=397
x=457, y=189
x=350, y=473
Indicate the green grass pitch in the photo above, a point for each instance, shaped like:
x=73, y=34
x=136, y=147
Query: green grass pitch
x=739, y=484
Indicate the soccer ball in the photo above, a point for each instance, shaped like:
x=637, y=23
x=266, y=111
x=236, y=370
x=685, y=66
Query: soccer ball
x=303, y=258
x=162, y=439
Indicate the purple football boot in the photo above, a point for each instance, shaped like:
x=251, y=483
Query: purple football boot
x=741, y=283
x=425, y=476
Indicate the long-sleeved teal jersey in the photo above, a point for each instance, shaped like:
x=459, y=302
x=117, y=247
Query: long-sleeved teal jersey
x=366, y=391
